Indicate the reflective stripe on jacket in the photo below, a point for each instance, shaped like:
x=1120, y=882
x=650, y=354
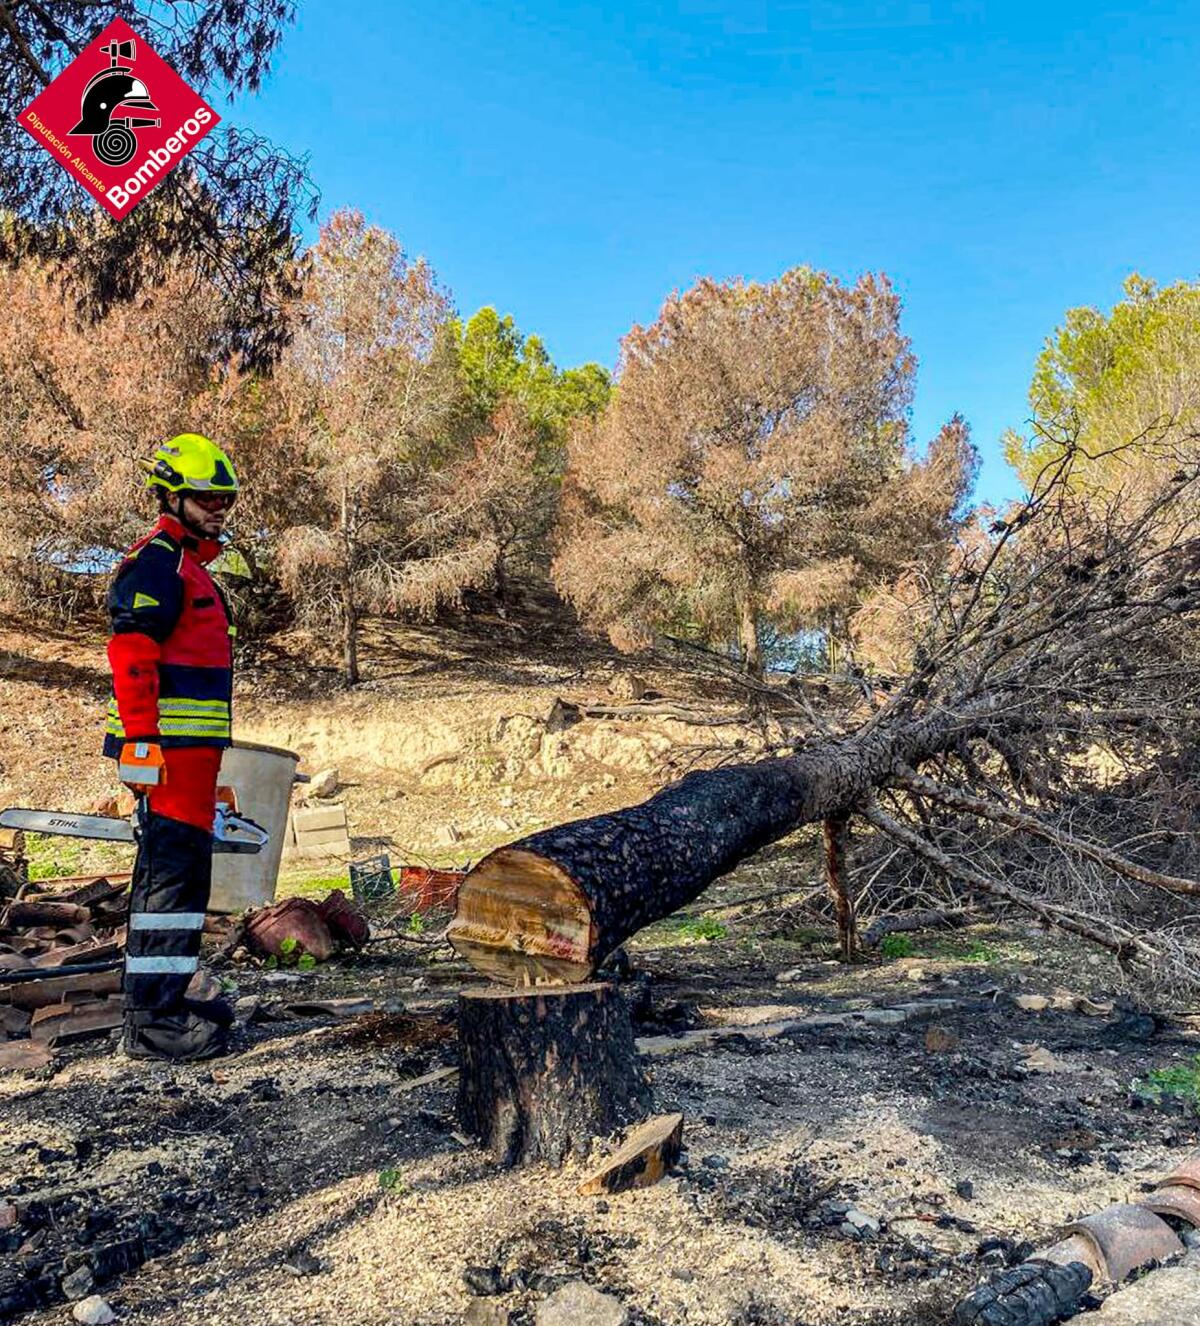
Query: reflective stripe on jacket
x=163, y=595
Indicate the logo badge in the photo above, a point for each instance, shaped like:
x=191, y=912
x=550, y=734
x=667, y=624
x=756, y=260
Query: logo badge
x=118, y=119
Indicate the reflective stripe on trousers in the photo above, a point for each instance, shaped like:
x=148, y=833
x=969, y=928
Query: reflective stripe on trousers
x=172, y=878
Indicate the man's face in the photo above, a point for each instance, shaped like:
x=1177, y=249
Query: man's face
x=204, y=512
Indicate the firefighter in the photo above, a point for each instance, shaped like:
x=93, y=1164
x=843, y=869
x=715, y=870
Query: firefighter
x=168, y=721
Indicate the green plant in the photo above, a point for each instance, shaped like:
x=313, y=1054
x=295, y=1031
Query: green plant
x=702, y=927
x=416, y=924
x=1179, y=1082
x=291, y=954
x=978, y=951
x=391, y=1180
x=896, y=946
x=49, y=856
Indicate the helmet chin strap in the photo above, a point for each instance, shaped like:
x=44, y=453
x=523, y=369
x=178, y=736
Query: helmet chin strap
x=181, y=516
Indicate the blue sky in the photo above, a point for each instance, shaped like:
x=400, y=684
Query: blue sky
x=573, y=163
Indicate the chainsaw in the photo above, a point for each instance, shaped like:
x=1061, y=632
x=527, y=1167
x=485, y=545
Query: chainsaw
x=231, y=832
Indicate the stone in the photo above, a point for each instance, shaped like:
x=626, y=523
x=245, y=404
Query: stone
x=627, y=686
x=78, y=1282
x=302, y=1262
x=578, y=1304
x=1169, y=1296
x=485, y=1281
x=485, y=1312
x=883, y=1017
x=863, y=1225
x=1040, y=1060
x=965, y=1189
x=1032, y=1003
x=93, y=1311
x=916, y=973
x=715, y=1162
x=323, y=784
x=940, y=1040
x=792, y=974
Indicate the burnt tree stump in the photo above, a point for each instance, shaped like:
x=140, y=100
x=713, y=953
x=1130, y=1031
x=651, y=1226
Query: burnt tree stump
x=545, y=1071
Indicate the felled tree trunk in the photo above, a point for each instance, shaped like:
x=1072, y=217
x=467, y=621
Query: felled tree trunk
x=552, y=906
x=543, y=1074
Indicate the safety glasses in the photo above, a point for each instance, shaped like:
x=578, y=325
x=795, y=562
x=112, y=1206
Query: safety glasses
x=212, y=501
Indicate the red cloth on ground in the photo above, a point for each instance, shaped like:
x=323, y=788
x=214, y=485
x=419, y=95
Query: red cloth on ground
x=190, y=792
x=133, y=658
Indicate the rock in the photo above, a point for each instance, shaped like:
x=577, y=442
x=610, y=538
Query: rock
x=883, y=1017
x=485, y=1281
x=78, y=1282
x=965, y=1189
x=863, y=1225
x=302, y=1262
x=916, y=973
x=578, y=1304
x=940, y=1040
x=1040, y=1060
x=93, y=1311
x=9, y=1215
x=323, y=784
x=792, y=974
x=715, y=1162
x=627, y=686
x=485, y=1312
x=1169, y=1296
x=1031, y=1003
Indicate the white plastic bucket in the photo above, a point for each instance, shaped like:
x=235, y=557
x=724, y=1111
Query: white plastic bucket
x=262, y=776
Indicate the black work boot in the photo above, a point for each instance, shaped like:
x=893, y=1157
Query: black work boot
x=218, y=1010
x=179, y=1036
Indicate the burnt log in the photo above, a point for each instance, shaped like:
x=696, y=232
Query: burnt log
x=23, y=915
x=543, y=1073
x=552, y=906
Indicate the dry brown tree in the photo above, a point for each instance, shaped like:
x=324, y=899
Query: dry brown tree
x=1041, y=754
x=366, y=394
x=477, y=515
x=78, y=406
x=753, y=466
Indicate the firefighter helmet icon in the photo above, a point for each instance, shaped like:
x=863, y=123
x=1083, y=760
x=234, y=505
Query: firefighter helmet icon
x=113, y=89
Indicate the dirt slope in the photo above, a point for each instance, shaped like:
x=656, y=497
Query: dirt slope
x=444, y=751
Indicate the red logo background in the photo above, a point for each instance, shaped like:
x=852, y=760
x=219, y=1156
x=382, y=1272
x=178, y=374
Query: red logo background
x=51, y=116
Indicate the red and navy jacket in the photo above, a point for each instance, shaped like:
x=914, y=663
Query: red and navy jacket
x=172, y=646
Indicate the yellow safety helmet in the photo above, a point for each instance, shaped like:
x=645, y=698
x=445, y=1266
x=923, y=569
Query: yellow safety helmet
x=190, y=463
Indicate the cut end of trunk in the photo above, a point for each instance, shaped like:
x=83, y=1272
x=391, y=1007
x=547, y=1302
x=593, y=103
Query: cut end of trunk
x=522, y=920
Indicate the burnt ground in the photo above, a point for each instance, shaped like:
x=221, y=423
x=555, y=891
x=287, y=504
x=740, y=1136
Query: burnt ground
x=864, y=1172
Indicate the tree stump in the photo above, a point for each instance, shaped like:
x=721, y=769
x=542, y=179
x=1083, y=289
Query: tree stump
x=545, y=1071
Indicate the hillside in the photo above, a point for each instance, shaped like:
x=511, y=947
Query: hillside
x=444, y=750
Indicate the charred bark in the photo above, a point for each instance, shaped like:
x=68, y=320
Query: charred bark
x=552, y=906
x=544, y=1073
x=837, y=830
